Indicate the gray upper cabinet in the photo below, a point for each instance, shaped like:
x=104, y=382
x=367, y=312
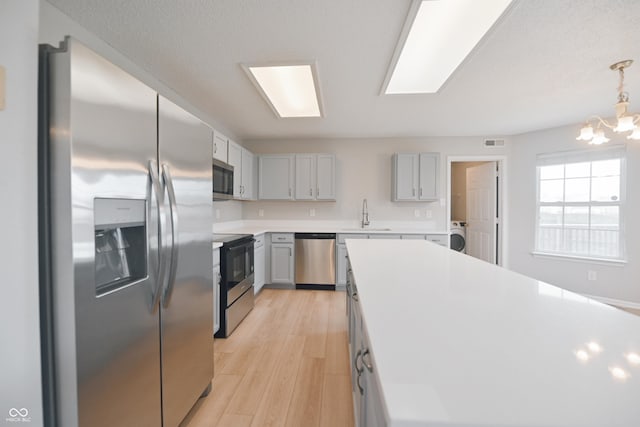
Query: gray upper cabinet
x=415, y=176
x=247, y=191
x=429, y=171
x=301, y=176
x=220, y=143
x=235, y=160
x=276, y=176
x=305, y=177
x=326, y=177
x=315, y=177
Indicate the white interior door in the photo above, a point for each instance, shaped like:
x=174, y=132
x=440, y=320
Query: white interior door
x=481, y=211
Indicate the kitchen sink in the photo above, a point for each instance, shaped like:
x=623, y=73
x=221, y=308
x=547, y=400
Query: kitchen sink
x=366, y=229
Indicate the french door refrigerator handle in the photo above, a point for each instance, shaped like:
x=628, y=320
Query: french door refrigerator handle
x=173, y=208
x=156, y=188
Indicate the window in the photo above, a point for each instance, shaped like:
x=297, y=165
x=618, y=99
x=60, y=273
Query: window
x=580, y=203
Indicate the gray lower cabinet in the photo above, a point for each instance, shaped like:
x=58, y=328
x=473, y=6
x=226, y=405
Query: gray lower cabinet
x=282, y=262
x=372, y=411
x=413, y=237
x=384, y=236
x=216, y=290
x=439, y=239
x=341, y=265
x=341, y=255
x=367, y=397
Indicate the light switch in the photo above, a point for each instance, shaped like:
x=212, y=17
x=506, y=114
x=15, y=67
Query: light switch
x=2, y=87
x=217, y=213
x=260, y=212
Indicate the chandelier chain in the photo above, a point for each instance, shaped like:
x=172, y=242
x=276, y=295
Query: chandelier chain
x=622, y=95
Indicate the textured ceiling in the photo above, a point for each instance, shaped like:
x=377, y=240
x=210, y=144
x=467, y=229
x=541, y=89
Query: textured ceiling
x=545, y=64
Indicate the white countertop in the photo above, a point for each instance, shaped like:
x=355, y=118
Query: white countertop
x=339, y=227
x=460, y=342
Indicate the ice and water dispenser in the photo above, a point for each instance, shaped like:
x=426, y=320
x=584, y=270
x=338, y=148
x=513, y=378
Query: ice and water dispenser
x=120, y=243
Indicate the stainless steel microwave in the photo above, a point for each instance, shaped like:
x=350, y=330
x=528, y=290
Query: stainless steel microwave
x=222, y=180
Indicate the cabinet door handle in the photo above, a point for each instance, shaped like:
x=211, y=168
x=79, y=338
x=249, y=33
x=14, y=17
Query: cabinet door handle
x=413, y=192
x=289, y=192
x=215, y=147
x=420, y=191
x=366, y=364
x=311, y=192
x=318, y=192
x=355, y=296
x=360, y=389
x=358, y=370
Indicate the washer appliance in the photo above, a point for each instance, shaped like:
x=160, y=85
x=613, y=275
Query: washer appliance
x=458, y=236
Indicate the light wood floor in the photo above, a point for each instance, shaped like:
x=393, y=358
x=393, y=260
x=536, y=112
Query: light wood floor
x=286, y=365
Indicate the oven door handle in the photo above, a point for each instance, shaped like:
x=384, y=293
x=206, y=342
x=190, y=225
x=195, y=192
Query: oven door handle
x=173, y=209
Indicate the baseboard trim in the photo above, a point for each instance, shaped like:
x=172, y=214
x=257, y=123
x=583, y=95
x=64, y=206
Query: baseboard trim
x=616, y=302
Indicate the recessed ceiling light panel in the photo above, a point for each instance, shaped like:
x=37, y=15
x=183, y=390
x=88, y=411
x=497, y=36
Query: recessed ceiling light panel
x=438, y=36
x=290, y=90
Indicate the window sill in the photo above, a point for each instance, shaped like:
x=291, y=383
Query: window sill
x=576, y=258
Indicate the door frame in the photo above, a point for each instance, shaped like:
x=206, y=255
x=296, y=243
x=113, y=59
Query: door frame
x=503, y=252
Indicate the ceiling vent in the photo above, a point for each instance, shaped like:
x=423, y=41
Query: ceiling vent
x=493, y=143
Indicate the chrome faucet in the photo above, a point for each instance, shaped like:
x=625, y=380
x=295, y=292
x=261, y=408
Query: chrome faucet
x=365, y=214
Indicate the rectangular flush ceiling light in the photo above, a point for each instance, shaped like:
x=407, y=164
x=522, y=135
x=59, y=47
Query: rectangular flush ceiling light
x=438, y=35
x=290, y=90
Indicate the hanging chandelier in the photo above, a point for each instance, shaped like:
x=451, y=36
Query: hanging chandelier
x=626, y=122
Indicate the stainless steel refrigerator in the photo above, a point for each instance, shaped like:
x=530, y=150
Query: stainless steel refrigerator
x=126, y=258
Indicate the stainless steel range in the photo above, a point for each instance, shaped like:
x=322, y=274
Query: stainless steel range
x=236, y=285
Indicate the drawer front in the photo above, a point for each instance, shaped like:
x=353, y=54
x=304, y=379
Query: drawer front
x=384, y=236
x=342, y=237
x=282, y=237
x=259, y=241
x=441, y=239
x=216, y=257
x=413, y=237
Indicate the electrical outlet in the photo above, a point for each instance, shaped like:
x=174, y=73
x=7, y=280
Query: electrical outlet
x=416, y=213
x=443, y=203
x=429, y=213
x=217, y=213
x=312, y=212
x=592, y=275
x=260, y=212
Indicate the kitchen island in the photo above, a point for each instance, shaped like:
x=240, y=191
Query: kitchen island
x=438, y=338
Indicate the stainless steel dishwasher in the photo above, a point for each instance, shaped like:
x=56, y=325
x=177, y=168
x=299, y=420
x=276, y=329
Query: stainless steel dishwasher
x=315, y=261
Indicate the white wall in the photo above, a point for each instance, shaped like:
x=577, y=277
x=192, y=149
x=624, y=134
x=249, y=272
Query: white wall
x=19, y=328
x=364, y=171
x=227, y=210
x=55, y=25
x=615, y=282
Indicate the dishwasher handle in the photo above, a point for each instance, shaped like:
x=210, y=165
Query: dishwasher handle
x=315, y=236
